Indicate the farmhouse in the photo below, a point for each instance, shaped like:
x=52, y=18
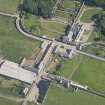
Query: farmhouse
x=74, y=34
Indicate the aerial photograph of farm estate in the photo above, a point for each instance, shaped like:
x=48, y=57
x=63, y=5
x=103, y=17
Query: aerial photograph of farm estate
x=52, y=52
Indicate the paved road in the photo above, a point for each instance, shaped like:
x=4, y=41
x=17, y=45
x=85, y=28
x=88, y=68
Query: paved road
x=90, y=43
x=90, y=55
x=20, y=27
x=21, y=30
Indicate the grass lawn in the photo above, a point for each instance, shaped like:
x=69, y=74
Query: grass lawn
x=33, y=24
x=96, y=36
x=91, y=72
x=46, y=27
x=89, y=13
x=54, y=26
x=93, y=36
x=14, y=45
x=63, y=14
x=96, y=49
x=59, y=95
x=69, y=67
x=85, y=70
x=69, y=4
x=4, y=101
x=9, y=6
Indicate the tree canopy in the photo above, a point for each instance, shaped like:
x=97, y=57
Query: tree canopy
x=100, y=22
x=39, y=7
x=96, y=2
x=99, y=2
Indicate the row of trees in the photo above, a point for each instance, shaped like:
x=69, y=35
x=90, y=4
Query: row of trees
x=39, y=7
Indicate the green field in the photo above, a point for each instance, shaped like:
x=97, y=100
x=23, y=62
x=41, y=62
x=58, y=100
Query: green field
x=9, y=6
x=69, y=66
x=62, y=14
x=40, y=26
x=89, y=13
x=69, y=4
x=59, y=95
x=14, y=45
x=85, y=70
x=4, y=101
x=96, y=49
x=32, y=24
x=94, y=35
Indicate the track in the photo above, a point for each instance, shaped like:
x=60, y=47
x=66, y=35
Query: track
x=90, y=55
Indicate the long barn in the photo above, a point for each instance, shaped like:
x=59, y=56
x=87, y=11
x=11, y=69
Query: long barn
x=13, y=70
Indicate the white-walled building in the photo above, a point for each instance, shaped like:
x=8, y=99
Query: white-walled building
x=75, y=33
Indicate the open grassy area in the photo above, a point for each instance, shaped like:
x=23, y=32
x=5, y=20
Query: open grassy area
x=32, y=24
x=86, y=70
x=46, y=27
x=62, y=14
x=93, y=36
x=54, y=26
x=59, y=95
x=96, y=49
x=4, y=101
x=14, y=45
x=69, y=67
x=69, y=4
x=91, y=72
x=9, y=6
x=89, y=13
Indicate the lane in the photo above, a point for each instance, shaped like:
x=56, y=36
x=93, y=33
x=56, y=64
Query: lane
x=9, y=15
x=90, y=55
x=21, y=30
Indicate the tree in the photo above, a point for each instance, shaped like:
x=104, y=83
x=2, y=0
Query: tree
x=99, y=2
x=39, y=7
x=96, y=2
x=100, y=23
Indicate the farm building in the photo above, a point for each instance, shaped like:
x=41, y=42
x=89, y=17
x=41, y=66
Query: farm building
x=74, y=34
x=13, y=70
